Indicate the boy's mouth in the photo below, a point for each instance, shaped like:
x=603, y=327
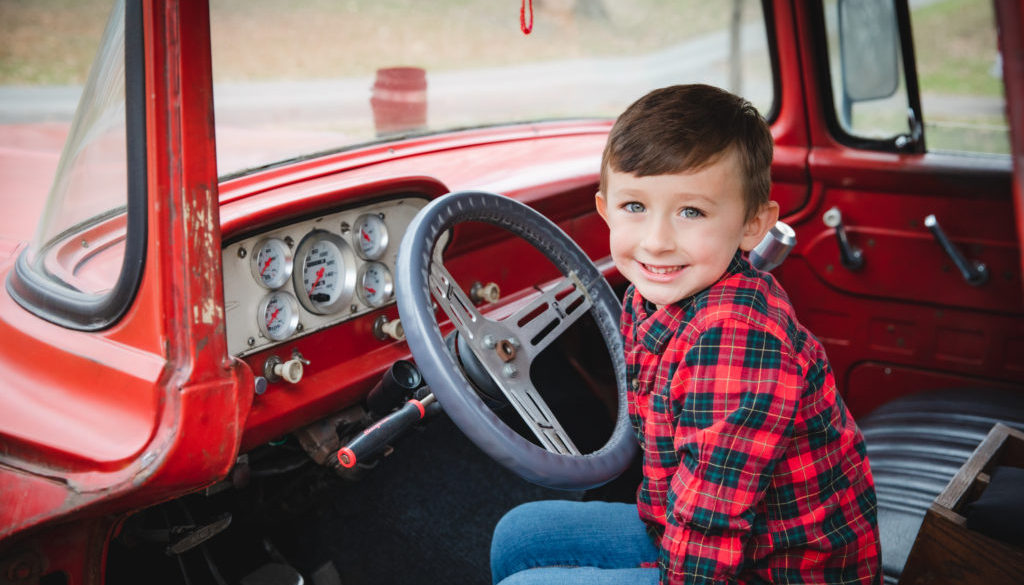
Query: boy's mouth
x=658, y=270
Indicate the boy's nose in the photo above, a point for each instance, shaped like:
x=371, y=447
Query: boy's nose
x=659, y=236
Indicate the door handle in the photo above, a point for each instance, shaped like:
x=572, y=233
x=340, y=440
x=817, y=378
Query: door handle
x=974, y=272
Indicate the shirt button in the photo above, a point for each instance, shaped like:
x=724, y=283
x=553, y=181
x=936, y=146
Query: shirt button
x=634, y=384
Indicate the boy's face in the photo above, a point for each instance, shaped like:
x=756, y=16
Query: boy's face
x=674, y=235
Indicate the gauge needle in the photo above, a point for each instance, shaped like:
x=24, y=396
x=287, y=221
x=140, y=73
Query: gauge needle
x=370, y=290
x=266, y=265
x=366, y=236
x=319, y=275
x=274, y=316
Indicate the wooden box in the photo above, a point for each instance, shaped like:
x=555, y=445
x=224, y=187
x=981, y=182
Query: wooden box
x=945, y=550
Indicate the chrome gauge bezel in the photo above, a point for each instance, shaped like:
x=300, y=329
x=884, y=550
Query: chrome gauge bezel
x=346, y=272
x=245, y=296
x=378, y=245
x=257, y=266
x=290, y=320
x=388, y=293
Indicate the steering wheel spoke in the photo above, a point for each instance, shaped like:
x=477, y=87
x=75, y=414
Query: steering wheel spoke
x=536, y=414
x=454, y=302
x=550, y=314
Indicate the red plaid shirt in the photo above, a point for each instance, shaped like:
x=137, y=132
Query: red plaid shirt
x=753, y=469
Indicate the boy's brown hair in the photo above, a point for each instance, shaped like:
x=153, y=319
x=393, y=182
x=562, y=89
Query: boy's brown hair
x=687, y=127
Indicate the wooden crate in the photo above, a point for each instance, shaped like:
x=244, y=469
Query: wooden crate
x=945, y=550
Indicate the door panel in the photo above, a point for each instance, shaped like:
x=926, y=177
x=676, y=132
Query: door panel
x=907, y=320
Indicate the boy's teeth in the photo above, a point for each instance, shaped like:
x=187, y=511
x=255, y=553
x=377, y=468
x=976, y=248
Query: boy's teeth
x=661, y=269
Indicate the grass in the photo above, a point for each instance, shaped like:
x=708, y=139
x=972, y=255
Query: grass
x=50, y=42
x=955, y=45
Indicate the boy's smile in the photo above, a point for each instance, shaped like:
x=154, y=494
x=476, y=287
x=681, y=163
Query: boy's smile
x=674, y=235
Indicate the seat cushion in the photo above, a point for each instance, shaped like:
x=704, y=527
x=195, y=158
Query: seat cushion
x=916, y=444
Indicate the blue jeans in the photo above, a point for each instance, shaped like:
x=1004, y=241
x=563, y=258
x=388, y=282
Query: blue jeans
x=565, y=543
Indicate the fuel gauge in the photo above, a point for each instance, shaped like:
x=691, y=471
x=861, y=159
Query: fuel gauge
x=271, y=263
x=376, y=285
x=278, y=315
x=371, y=234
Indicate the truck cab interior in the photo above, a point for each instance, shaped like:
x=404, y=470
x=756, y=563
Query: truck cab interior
x=315, y=292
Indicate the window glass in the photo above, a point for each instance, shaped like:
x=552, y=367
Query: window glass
x=296, y=77
x=958, y=73
x=79, y=243
x=960, y=76
x=866, y=67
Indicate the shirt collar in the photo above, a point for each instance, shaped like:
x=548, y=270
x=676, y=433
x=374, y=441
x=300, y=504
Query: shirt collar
x=654, y=327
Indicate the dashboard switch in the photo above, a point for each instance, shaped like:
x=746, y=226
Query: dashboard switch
x=385, y=329
x=275, y=370
x=485, y=293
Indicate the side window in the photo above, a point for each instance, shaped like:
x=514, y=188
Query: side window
x=953, y=102
x=959, y=73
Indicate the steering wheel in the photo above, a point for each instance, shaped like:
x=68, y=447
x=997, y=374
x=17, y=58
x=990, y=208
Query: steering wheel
x=506, y=348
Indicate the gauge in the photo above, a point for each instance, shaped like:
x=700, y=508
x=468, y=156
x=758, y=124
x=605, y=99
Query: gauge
x=271, y=263
x=371, y=234
x=278, y=315
x=325, y=277
x=376, y=286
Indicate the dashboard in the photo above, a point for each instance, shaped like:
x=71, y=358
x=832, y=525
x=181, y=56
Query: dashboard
x=295, y=279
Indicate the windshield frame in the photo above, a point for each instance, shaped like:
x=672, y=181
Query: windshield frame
x=45, y=296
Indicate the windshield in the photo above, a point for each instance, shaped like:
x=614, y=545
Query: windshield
x=300, y=77
x=91, y=183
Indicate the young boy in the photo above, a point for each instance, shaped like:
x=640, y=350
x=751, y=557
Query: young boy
x=753, y=470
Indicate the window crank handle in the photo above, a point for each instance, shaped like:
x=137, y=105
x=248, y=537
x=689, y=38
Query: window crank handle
x=851, y=256
x=974, y=272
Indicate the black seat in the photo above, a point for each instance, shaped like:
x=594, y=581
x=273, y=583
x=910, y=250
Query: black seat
x=916, y=444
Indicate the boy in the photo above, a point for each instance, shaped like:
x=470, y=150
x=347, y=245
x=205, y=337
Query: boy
x=753, y=470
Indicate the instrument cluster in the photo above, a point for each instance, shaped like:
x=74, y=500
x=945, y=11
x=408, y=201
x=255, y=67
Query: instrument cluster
x=303, y=277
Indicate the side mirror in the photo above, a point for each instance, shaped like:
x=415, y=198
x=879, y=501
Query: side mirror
x=869, y=44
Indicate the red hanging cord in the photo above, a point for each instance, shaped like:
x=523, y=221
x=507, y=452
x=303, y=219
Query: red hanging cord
x=526, y=28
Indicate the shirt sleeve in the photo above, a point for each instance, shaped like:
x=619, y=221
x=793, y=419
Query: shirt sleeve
x=734, y=398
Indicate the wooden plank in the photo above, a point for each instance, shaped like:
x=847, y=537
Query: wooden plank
x=945, y=550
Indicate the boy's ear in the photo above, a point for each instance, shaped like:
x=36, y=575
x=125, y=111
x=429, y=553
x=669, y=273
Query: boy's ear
x=758, y=226
x=602, y=205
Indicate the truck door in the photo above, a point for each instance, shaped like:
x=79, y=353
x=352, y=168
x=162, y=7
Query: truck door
x=908, y=266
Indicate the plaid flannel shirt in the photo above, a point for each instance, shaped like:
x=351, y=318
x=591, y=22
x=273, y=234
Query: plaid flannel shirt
x=753, y=469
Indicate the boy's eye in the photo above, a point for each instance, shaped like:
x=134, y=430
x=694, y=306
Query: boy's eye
x=691, y=213
x=634, y=207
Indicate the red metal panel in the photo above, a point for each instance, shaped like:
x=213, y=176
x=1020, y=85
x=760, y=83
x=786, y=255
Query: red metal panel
x=1010, y=18
x=154, y=406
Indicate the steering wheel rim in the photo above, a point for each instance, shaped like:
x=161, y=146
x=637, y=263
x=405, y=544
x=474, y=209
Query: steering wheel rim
x=445, y=377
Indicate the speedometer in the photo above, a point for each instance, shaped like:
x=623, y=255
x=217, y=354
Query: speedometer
x=325, y=274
